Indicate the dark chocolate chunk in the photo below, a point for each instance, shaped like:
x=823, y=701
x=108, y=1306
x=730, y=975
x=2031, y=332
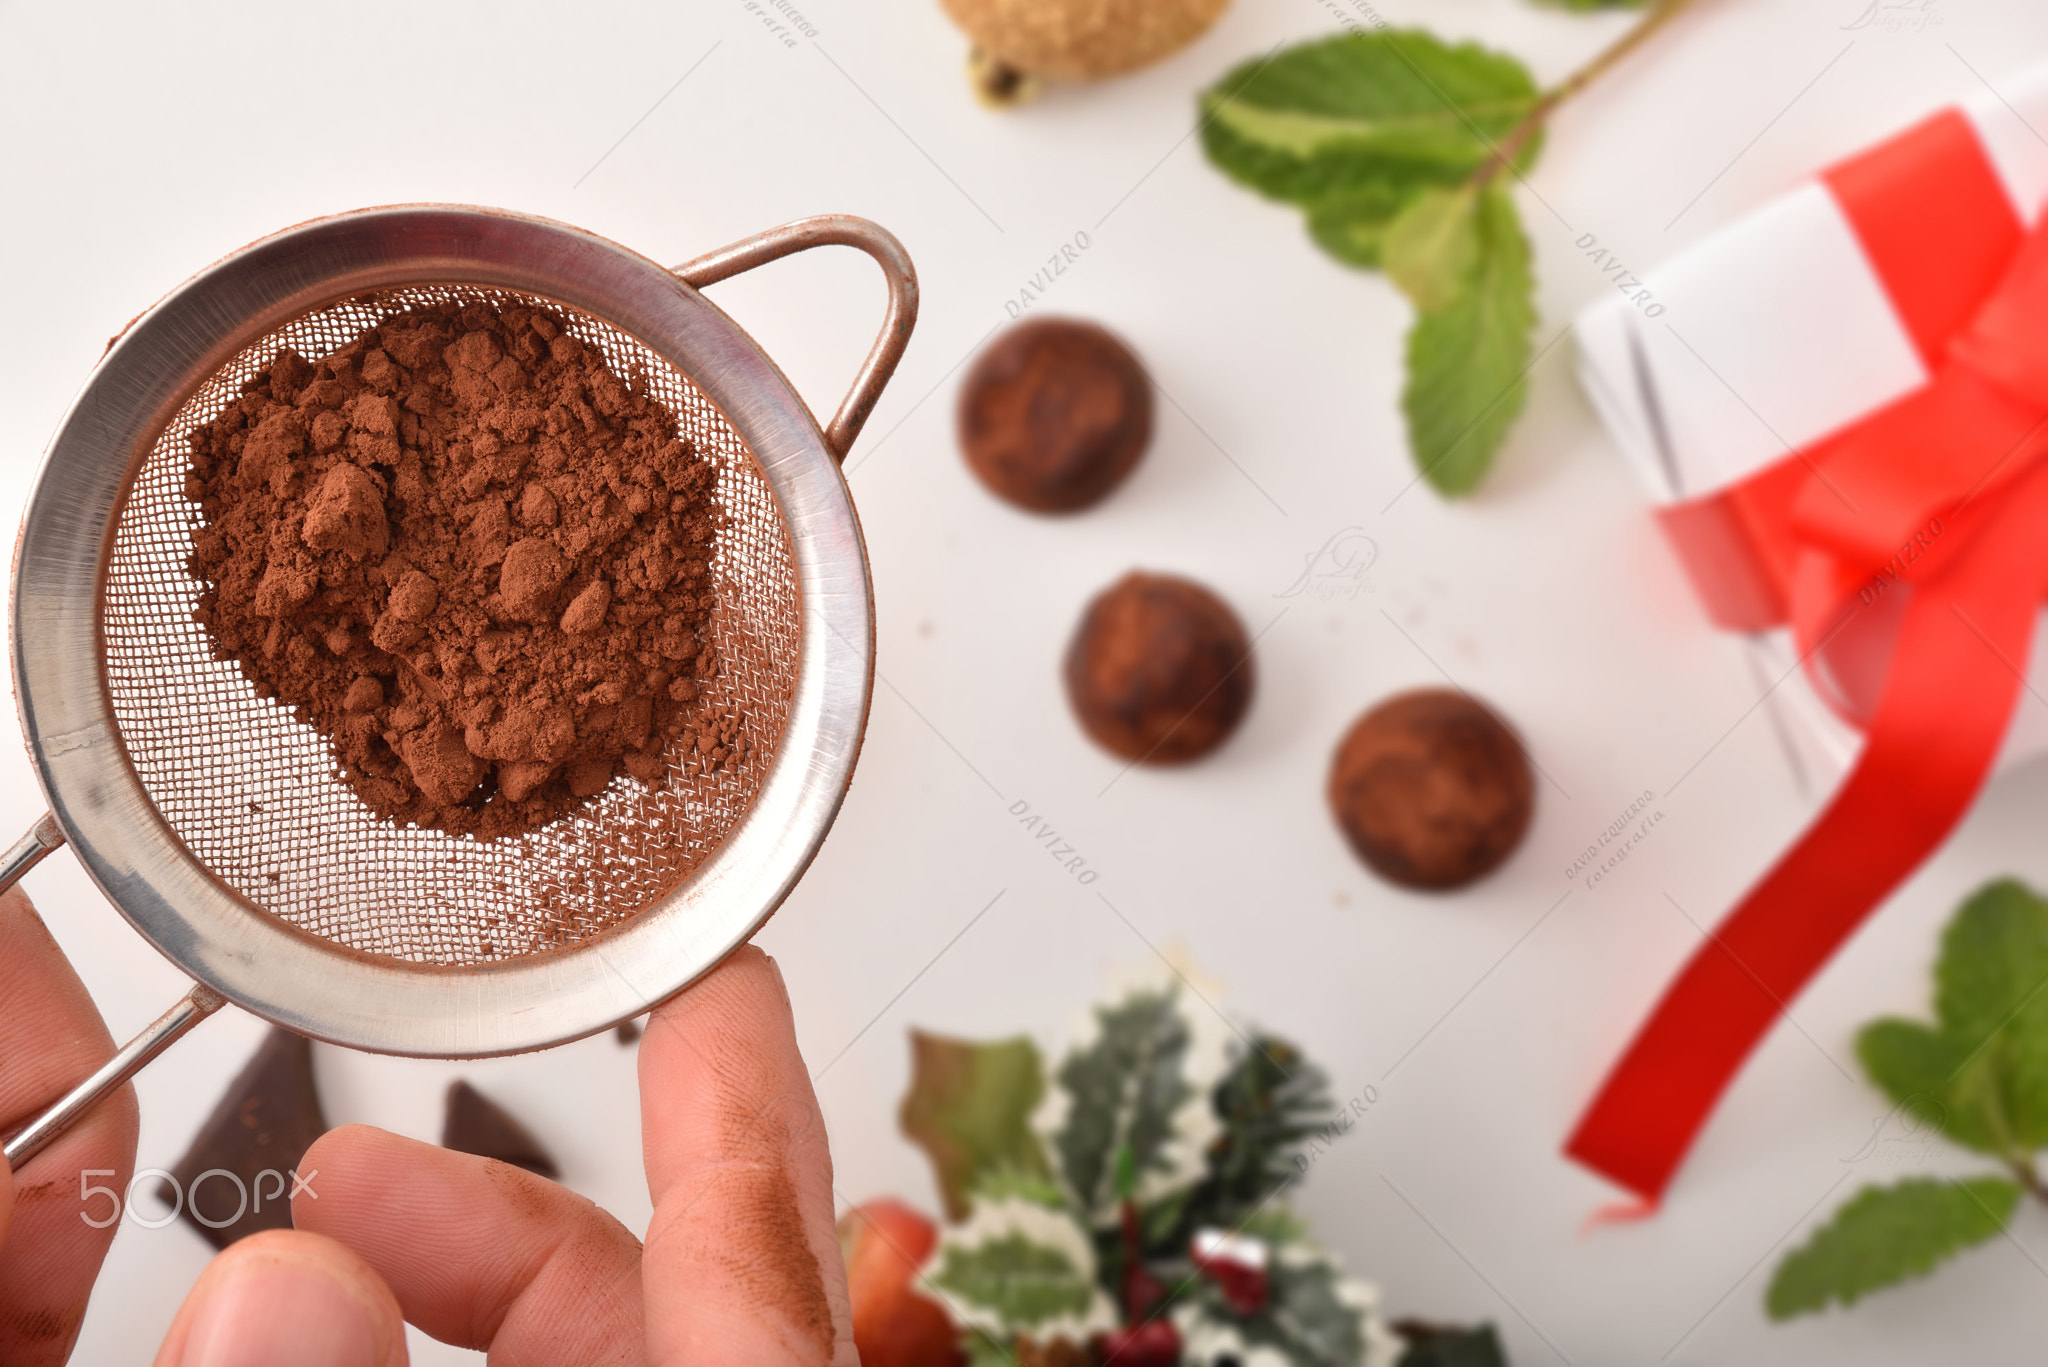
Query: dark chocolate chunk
x=1432, y=789
x=238, y=1176
x=476, y=1124
x=1054, y=414
x=629, y=1032
x=1445, y=1345
x=1159, y=671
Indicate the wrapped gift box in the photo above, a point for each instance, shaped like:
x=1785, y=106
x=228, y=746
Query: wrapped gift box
x=1766, y=338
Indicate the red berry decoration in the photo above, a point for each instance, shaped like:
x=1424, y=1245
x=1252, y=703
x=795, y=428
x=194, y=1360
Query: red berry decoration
x=1237, y=1264
x=1155, y=1343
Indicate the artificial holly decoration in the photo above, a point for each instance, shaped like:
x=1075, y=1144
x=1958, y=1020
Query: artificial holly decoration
x=1121, y=1206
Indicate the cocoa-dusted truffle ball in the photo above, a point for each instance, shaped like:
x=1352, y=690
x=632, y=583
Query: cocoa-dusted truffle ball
x=1432, y=789
x=1054, y=414
x=1159, y=671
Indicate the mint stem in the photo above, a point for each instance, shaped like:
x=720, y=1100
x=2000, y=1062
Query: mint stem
x=1510, y=147
x=2024, y=1172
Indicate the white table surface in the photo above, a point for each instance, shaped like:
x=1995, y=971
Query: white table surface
x=142, y=144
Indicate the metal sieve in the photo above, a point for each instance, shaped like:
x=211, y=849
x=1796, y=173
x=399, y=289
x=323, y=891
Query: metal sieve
x=214, y=822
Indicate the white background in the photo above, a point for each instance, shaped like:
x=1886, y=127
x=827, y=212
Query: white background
x=144, y=144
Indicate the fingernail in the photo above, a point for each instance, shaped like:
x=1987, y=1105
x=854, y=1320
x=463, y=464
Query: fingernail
x=282, y=1313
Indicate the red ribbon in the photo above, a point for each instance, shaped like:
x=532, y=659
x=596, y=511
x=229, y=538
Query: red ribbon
x=1909, y=553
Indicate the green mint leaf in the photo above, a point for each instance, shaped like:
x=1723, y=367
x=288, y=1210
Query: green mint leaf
x=969, y=1108
x=1917, y=1067
x=1887, y=1235
x=1024, y=1283
x=1431, y=248
x=1352, y=225
x=1454, y=1348
x=1993, y=971
x=1127, y=1089
x=1466, y=360
x=1330, y=117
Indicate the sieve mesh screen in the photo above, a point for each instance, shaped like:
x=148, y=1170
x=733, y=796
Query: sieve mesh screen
x=252, y=793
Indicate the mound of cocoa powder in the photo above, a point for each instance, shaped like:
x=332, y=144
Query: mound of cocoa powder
x=472, y=556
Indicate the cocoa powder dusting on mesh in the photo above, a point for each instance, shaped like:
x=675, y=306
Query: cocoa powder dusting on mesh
x=472, y=556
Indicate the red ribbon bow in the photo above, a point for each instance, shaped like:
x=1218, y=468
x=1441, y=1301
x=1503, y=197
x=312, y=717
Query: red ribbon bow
x=1909, y=552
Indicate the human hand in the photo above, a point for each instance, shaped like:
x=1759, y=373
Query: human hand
x=741, y=1264
x=51, y=1036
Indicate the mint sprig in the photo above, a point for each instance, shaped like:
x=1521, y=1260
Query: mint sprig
x=1977, y=1076
x=1393, y=143
x=1888, y=1235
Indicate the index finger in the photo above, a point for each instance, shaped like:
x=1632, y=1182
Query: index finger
x=742, y=1263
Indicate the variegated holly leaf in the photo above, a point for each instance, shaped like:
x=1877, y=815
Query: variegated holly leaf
x=1017, y=1267
x=1136, y=1096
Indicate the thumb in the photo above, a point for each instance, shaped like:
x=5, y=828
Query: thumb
x=6, y=1201
x=287, y=1296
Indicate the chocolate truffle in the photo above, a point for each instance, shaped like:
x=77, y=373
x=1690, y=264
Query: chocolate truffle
x=1432, y=789
x=1159, y=671
x=1054, y=414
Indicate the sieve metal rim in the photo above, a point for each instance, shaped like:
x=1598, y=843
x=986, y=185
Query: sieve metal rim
x=259, y=962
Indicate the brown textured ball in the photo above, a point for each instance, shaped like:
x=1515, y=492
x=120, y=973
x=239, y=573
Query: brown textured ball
x=1159, y=671
x=1054, y=414
x=1432, y=789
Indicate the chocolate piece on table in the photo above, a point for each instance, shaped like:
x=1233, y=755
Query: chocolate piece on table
x=245, y=1154
x=1054, y=414
x=478, y=1125
x=1159, y=670
x=1432, y=789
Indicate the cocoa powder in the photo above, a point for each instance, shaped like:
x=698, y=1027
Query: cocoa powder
x=472, y=556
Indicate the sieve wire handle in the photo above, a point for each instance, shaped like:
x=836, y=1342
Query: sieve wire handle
x=832, y=230
x=198, y=1004
x=43, y=837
